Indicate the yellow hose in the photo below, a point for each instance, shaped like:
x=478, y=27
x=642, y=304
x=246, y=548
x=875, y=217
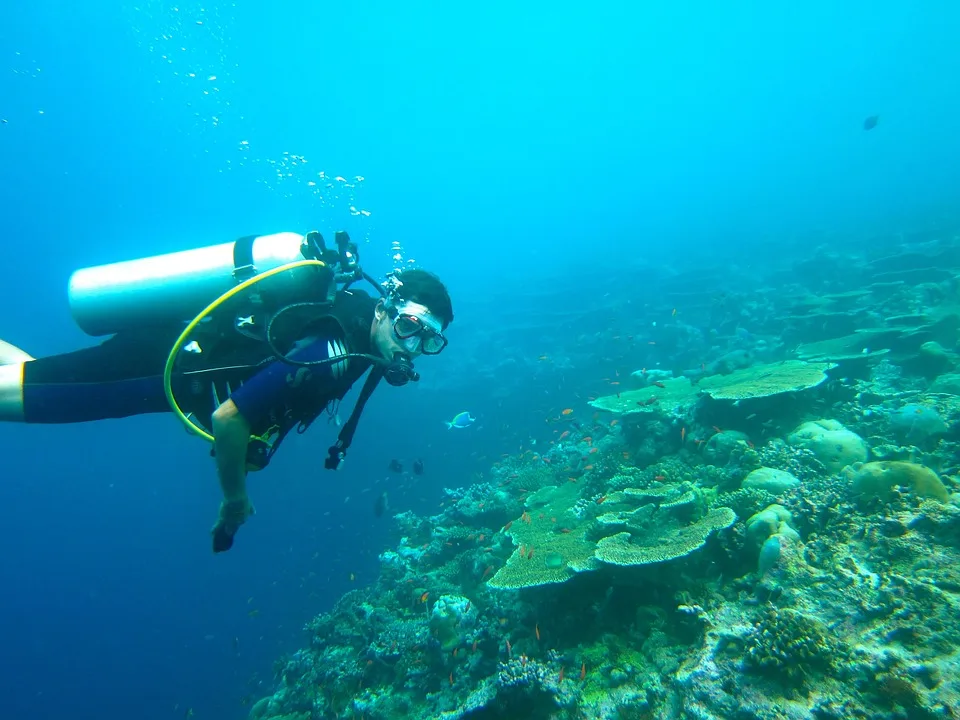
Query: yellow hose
x=178, y=345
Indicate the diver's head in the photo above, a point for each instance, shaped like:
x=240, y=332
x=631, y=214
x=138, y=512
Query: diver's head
x=410, y=321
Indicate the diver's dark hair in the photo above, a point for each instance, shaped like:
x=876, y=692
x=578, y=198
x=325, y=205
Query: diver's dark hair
x=424, y=287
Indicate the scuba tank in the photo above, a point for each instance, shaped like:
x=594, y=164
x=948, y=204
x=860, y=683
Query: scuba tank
x=107, y=299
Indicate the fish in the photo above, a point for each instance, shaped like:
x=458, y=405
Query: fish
x=395, y=466
x=461, y=420
x=871, y=122
x=418, y=467
x=381, y=505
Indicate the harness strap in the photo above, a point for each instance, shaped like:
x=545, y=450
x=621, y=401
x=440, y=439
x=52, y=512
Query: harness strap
x=243, y=267
x=337, y=452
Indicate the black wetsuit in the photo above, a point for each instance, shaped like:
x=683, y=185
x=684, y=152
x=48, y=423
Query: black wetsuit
x=123, y=376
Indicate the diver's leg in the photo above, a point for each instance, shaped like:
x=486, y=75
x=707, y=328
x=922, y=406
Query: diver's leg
x=122, y=376
x=11, y=392
x=10, y=354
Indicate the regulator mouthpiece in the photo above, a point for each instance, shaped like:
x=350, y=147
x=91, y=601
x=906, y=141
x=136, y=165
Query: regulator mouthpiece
x=399, y=371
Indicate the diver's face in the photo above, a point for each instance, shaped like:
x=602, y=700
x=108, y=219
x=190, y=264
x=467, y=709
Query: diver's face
x=384, y=340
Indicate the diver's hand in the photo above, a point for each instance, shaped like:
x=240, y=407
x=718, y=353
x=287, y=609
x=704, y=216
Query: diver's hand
x=232, y=515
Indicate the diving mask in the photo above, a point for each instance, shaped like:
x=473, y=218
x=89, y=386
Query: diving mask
x=418, y=329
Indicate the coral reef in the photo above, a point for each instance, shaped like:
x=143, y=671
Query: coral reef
x=773, y=532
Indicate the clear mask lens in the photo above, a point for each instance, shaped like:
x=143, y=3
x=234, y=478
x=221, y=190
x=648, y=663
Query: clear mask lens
x=416, y=336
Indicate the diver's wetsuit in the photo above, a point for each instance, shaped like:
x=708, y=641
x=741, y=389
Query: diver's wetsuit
x=123, y=376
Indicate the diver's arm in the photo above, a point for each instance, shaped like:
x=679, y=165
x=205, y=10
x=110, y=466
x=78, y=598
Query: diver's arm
x=231, y=435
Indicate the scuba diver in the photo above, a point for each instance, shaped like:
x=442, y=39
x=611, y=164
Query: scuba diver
x=278, y=336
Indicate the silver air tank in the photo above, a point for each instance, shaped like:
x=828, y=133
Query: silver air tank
x=169, y=288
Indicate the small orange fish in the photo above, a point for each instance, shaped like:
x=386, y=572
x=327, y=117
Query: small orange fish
x=565, y=434
x=615, y=382
x=507, y=526
x=593, y=450
x=474, y=645
x=571, y=479
x=588, y=467
x=542, y=358
x=486, y=572
x=567, y=411
x=583, y=670
x=423, y=598
x=659, y=478
x=588, y=439
x=716, y=429
x=614, y=423
x=509, y=648
x=565, y=530
x=451, y=679
x=530, y=554
x=683, y=434
x=480, y=538
x=536, y=629
x=601, y=499
x=561, y=674
x=455, y=651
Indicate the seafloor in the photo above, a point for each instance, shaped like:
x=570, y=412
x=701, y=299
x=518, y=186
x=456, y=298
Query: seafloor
x=773, y=534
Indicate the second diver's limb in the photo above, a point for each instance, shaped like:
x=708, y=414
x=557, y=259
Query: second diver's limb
x=10, y=354
x=11, y=393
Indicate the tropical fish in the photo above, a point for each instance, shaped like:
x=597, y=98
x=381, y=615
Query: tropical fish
x=871, y=122
x=418, y=467
x=395, y=466
x=461, y=420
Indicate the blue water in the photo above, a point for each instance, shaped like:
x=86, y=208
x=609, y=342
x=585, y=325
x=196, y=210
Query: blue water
x=499, y=145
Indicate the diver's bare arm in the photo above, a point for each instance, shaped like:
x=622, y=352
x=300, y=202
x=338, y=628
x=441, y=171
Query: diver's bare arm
x=231, y=434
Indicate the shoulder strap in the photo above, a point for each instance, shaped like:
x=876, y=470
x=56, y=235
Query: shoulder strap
x=337, y=452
